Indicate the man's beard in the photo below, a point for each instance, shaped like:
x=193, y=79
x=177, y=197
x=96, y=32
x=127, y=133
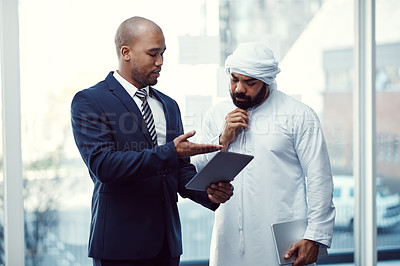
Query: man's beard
x=248, y=102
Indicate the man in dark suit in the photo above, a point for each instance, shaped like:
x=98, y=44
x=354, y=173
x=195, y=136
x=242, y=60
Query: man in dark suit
x=138, y=162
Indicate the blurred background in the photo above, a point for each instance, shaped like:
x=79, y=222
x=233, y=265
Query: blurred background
x=68, y=45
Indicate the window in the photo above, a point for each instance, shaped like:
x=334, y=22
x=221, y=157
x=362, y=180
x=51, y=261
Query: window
x=337, y=192
x=387, y=128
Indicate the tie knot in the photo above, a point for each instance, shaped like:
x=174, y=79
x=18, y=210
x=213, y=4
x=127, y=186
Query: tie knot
x=142, y=94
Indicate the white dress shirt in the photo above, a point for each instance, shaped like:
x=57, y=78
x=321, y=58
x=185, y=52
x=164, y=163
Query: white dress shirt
x=155, y=106
x=289, y=178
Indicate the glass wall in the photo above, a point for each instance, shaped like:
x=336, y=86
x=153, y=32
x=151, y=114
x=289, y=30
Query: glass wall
x=337, y=74
x=55, y=51
x=388, y=128
x=68, y=45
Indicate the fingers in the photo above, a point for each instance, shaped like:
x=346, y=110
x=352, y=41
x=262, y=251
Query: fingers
x=186, y=148
x=238, y=118
x=220, y=193
x=182, y=138
x=234, y=124
x=186, y=136
x=239, y=111
x=195, y=148
x=307, y=252
x=291, y=251
x=226, y=186
x=234, y=121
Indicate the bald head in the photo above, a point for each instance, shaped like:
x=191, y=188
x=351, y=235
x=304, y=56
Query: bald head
x=131, y=30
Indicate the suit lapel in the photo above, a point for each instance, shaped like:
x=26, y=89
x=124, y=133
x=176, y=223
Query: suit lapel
x=116, y=88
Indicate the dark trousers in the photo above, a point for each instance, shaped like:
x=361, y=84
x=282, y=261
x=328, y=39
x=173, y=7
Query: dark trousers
x=162, y=259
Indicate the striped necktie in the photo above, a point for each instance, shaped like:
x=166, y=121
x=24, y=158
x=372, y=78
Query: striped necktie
x=147, y=115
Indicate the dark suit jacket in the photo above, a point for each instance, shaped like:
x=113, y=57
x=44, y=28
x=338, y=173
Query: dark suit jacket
x=134, y=203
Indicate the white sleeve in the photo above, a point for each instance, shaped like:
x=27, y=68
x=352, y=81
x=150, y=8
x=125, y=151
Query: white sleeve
x=209, y=135
x=314, y=159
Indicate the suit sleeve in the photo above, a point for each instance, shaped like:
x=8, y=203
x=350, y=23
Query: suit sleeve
x=94, y=137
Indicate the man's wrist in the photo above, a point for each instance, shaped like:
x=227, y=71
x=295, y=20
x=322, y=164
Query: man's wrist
x=223, y=143
x=314, y=242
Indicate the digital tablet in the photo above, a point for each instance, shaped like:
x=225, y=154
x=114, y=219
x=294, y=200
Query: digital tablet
x=224, y=166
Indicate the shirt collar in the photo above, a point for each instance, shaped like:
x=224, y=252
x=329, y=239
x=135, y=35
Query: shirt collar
x=129, y=87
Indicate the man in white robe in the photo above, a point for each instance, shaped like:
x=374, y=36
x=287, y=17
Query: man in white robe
x=290, y=176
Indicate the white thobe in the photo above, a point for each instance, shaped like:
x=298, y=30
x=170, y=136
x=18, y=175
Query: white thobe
x=289, y=178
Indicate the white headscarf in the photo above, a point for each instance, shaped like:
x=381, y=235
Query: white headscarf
x=255, y=60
